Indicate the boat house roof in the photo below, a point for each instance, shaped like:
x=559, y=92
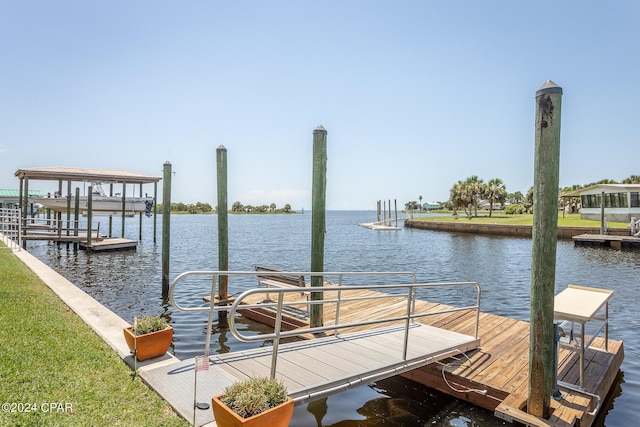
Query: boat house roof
x=82, y=174
x=603, y=187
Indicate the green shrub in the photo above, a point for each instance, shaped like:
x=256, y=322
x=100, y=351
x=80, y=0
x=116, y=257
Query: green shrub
x=148, y=324
x=515, y=209
x=255, y=395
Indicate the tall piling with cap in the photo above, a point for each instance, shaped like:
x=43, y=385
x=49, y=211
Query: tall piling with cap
x=544, y=242
x=223, y=225
x=318, y=220
x=166, y=226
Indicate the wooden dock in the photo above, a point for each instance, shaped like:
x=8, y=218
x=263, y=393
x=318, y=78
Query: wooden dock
x=99, y=243
x=495, y=376
x=607, y=240
x=111, y=244
x=380, y=225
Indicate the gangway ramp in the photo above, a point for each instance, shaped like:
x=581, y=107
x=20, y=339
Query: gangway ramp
x=311, y=369
x=344, y=353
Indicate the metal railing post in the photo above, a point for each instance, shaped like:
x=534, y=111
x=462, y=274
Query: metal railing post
x=212, y=307
x=407, y=322
x=276, y=340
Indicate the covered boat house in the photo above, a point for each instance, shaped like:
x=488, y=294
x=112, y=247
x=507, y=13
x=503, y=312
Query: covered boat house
x=620, y=202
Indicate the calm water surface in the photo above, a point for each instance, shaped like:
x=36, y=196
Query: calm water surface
x=129, y=283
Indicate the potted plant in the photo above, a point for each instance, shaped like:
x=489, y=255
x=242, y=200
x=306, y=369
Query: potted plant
x=150, y=336
x=258, y=401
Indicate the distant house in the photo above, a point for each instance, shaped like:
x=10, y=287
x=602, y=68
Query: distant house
x=430, y=205
x=621, y=201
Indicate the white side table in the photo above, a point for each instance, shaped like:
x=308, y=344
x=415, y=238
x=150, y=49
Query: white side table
x=578, y=305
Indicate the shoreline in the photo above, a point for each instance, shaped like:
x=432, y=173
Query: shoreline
x=466, y=226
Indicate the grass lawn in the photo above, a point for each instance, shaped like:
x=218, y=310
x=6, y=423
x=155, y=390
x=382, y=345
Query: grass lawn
x=56, y=371
x=566, y=220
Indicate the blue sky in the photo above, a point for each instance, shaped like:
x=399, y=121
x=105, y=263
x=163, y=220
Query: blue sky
x=415, y=95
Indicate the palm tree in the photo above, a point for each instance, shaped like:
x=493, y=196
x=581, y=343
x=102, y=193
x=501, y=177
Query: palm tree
x=420, y=208
x=476, y=188
x=495, y=192
x=527, y=202
x=461, y=198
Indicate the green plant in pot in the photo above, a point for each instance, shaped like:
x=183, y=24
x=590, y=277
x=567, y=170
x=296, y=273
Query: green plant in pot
x=149, y=337
x=258, y=401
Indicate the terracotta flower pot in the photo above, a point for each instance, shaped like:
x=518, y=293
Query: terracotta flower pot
x=278, y=416
x=149, y=345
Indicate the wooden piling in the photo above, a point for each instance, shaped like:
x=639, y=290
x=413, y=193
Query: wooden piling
x=24, y=200
x=110, y=234
x=318, y=220
x=124, y=202
x=544, y=241
x=58, y=214
x=155, y=210
x=603, y=221
x=68, y=209
x=89, y=215
x=223, y=224
x=76, y=217
x=140, y=219
x=166, y=226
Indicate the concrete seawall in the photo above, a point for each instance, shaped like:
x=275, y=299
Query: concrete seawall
x=468, y=226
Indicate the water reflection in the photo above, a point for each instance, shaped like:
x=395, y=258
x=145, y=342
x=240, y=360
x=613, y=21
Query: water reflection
x=391, y=402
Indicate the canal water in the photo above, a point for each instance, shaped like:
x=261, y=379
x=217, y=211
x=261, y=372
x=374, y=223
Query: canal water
x=129, y=283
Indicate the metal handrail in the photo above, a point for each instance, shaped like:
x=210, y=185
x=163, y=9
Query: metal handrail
x=339, y=290
x=212, y=308
x=217, y=273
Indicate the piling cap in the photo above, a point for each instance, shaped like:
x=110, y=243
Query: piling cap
x=320, y=129
x=221, y=148
x=549, y=87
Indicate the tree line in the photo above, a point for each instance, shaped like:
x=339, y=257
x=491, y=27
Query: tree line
x=237, y=207
x=272, y=208
x=190, y=208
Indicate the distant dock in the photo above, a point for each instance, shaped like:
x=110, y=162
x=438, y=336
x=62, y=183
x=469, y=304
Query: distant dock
x=379, y=225
x=113, y=244
x=607, y=240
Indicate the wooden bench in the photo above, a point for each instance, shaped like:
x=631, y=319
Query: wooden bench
x=278, y=280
